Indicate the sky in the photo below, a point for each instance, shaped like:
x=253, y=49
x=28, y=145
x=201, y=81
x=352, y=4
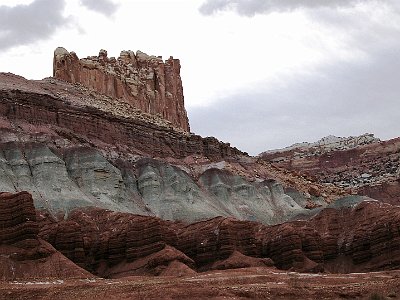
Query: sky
x=259, y=74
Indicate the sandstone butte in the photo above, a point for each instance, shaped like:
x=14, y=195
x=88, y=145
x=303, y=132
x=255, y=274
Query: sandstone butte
x=146, y=82
x=120, y=190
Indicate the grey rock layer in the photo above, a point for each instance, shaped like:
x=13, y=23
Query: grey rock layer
x=61, y=179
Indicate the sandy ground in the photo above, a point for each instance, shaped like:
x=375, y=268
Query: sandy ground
x=251, y=283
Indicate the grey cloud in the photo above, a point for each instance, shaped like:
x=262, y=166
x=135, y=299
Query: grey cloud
x=105, y=7
x=252, y=7
x=25, y=24
x=341, y=99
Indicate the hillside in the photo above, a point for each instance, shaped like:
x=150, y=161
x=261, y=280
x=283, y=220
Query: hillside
x=362, y=165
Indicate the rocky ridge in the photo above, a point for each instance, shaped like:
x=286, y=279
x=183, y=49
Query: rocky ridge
x=345, y=237
x=370, y=168
x=325, y=145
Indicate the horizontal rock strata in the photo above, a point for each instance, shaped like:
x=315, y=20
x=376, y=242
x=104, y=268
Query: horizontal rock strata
x=23, y=255
x=365, y=237
x=96, y=126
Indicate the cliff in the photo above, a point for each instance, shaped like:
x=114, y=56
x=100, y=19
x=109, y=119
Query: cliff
x=89, y=117
x=146, y=82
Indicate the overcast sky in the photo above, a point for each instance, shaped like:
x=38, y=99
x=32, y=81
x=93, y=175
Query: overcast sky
x=260, y=74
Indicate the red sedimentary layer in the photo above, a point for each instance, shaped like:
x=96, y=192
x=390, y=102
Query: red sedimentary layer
x=109, y=244
x=22, y=254
x=40, y=103
x=18, y=220
x=363, y=238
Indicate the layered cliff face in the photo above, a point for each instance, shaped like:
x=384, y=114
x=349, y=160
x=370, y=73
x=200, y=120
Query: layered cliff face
x=89, y=118
x=69, y=148
x=146, y=82
x=341, y=238
x=364, y=237
x=23, y=255
x=363, y=165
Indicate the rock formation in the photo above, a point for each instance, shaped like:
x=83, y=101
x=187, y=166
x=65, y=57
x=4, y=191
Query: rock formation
x=361, y=165
x=326, y=144
x=22, y=254
x=69, y=149
x=146, y=82
x=356, y=238
x=88, y=118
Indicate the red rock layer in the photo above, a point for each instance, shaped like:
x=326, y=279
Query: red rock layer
x=148, y=83
x=363, y=238
x=96, y=127
x=216, y=239
x=110, y=244
x=368, y=234
x=18, y=220
x=22, y=254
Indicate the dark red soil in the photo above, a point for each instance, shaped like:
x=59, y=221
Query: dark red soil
x=250, y=283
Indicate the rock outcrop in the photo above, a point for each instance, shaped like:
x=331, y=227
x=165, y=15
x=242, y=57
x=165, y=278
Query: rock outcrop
x=356, y=238
x=362, y=165
x=113, y=245
x=325, y=145
x=22, y=254
x=146, y=82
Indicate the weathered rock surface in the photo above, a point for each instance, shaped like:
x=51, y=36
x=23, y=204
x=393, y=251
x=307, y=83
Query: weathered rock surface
x=362, y=165
x=111, y=244
x=22, y=254
x=264, y=200
x=357, y=238
x=67, y=177
x=146, y=82
x=327, y=144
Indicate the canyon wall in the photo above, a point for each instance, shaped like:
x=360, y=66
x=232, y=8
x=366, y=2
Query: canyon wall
x=146, y=82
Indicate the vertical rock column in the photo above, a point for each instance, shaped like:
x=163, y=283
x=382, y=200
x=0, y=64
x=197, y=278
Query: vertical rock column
x=146, y=82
